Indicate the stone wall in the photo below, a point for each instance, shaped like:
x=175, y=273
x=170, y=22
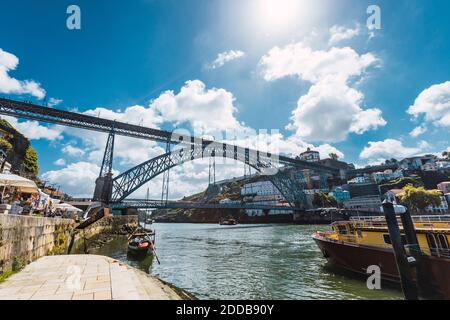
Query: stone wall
x=26, y=238
x=105, y=226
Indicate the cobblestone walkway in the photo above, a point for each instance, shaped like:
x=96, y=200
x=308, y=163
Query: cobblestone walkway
x=83, y=277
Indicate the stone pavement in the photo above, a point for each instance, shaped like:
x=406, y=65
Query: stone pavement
x=83, y=277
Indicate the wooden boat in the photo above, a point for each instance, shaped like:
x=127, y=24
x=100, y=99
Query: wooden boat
x=228, y=222
x=141, y=243
x=362, y=242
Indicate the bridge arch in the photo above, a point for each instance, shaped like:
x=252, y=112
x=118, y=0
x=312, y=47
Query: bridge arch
x=129, y=181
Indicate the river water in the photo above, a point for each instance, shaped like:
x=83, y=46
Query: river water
x=246, y=262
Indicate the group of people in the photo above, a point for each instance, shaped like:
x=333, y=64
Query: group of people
x=32, y=203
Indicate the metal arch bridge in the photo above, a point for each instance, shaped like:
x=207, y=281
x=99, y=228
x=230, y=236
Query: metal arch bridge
x=109, y=190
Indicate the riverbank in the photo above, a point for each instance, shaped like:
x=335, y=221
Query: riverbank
x=85, y=277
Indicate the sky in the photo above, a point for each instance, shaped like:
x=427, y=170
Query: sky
x=277, y=75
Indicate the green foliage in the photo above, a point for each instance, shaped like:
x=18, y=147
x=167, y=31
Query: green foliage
x=31, y=161
x=324, y=200
x=5, y=145
x=417, y=199
x=6, y=124
x=5, y=275
x=18, y=264
x=333, y=156
x=400, y=183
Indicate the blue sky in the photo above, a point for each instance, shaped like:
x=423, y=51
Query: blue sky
x=130, y=53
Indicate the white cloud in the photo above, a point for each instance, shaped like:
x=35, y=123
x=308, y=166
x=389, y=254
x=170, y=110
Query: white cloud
x=73, y=151
x=60, y=162
x=77, y=179
x=9, y=85
x=389, y=148
x=34, y=131
x=53, y=102
x=314, y=65
x=207, y=110
x=340, y=33
x=225, y=57
x=434, y=104
x=417, y=131
x=330, y=111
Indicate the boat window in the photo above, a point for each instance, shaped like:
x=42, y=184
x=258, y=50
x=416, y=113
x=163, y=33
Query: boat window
x=342, y=229
x=443, y=244
x=432, y=244
x=387, y=239
x=351, y=228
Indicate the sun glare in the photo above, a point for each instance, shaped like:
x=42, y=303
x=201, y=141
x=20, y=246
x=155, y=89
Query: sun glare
x=279, y=15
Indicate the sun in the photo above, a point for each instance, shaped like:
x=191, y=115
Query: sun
x=279, y=15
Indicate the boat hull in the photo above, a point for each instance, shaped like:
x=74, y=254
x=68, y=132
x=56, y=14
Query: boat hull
x=358, y=258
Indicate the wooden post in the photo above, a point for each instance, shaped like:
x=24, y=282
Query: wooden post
x=408, y=286
x=414, y=249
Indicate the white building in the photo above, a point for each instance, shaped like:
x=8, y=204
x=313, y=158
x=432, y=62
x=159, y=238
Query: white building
x=310, y=155
x=260, y=188
x=443, y=164
x=263, y=193
x=429, y=166
x=387, y=175
x=364, y=203
x=444, y=187
x=360, y=180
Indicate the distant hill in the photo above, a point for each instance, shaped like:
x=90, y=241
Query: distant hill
x=19, y=152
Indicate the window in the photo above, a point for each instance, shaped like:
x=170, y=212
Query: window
x=342, y=229
x=432, y=244
x=443, y=241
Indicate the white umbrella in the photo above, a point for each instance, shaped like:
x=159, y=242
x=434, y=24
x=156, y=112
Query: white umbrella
x=13, y=180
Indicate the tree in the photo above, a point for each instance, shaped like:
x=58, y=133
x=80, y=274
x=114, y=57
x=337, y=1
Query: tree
x=417, y=199
x=324, y=200
x=5, y=145
x=446, y=154
x=333, y=156
x=30, y=161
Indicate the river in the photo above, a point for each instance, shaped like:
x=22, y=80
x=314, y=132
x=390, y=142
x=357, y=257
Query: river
x=246, y=262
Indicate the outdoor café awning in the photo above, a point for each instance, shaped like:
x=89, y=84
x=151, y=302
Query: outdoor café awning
x=21, y=183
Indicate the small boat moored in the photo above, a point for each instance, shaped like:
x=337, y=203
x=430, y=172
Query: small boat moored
x=141, y=243
x=228, y=222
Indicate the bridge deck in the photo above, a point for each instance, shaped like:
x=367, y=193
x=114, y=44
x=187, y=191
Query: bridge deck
x=158, y=204
x=32, y=111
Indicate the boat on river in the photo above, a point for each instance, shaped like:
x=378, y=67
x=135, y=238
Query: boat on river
x=356, y=244
x=142, y=243
x=228, y=222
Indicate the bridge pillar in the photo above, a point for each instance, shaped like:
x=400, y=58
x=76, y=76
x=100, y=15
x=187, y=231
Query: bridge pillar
x=103, y=188
x=104, y=182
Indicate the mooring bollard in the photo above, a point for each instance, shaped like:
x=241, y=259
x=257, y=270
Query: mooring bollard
x=408, y=285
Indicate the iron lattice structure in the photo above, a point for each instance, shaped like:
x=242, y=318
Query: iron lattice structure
x=108, y=156
x=287, y=181
x=191, y=148
x=27, y=110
